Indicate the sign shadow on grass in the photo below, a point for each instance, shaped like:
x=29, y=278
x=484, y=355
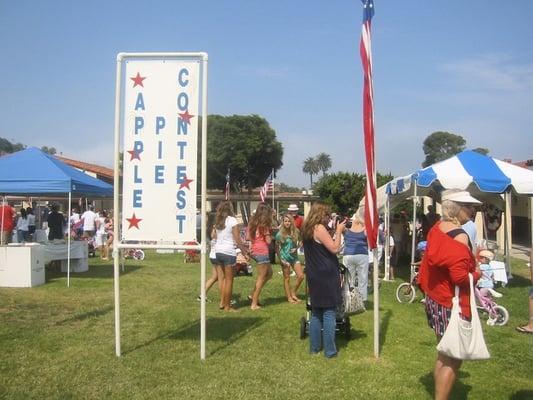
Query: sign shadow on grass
x=94, y=272
x=221, y=331
x=98, y=312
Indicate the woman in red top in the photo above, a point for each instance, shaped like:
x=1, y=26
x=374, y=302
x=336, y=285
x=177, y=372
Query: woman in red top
x=260, y=235
x=447, y=262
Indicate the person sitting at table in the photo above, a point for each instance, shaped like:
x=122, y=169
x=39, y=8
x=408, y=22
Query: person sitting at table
x=55, y=224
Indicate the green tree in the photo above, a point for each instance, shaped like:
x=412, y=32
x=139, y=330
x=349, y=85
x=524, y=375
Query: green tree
x=481, y=150
x=323, y=161
x=244, y=143
x=49, y=150
x=8, y=147
x=343, y=191
x=441, y=145
x=282, y=187
x=310, y=167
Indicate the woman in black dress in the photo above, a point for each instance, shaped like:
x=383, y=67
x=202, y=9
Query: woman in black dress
x=323, y=277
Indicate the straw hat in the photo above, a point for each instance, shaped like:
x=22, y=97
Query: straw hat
x=459, y=196
x=293, y=207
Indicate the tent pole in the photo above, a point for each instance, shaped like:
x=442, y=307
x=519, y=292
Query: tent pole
x=531, y=233
x=413, y=232
x=508, y=234
x=386, y=245
x=2, y=222
x=68, y=239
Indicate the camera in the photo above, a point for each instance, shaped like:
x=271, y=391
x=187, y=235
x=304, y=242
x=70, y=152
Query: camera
x=348, y=224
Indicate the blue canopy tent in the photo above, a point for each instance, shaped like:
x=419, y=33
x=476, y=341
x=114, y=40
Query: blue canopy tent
x=483, y=176
x=31, y=172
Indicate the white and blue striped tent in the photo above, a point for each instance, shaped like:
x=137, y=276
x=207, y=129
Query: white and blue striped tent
x=486, y=178
x=468, y=170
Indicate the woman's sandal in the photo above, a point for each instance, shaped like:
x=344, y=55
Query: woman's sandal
x=523, y=329
x=251, y=299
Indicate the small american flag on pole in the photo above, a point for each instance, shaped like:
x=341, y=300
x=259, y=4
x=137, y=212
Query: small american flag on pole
x=365, y=49
x=269, y=185
x=227, y=187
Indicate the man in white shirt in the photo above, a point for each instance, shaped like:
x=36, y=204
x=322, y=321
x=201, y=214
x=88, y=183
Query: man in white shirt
x=89, y=222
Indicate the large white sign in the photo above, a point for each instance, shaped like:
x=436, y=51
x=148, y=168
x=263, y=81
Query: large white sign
x=159, y=111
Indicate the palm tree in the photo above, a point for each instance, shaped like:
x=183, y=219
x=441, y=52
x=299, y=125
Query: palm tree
x=310, y=167
x=324, y=162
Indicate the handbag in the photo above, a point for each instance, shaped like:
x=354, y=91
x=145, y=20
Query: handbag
x=463, y=340
x=352, y=301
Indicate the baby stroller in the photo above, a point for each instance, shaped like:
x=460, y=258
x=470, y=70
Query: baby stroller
x=136, y=254
x=497, y=315
x=242, y=266
x=191, y=256
x=342, y=326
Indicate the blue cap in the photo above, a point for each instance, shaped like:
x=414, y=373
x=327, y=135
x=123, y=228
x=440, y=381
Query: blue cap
x=421, y=246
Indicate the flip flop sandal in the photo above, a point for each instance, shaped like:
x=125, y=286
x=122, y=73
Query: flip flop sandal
x=521, y=329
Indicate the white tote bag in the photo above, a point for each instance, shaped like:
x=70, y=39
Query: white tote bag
x=464, y=340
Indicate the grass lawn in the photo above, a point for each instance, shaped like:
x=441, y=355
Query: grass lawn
x=58, y=343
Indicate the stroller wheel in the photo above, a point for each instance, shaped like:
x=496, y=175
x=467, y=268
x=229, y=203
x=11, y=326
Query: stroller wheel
x=138, y=255
x=500, y=318
x=303, y=328
x=347, y=329
x=405, y=293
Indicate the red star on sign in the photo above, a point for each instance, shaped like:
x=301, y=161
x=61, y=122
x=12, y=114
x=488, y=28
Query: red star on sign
x=138, y=80
x=134, y=221
x=185, y=182
x=135, y=155
x=186, y=116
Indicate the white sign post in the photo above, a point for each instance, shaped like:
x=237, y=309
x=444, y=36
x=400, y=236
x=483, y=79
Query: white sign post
x=160, y=98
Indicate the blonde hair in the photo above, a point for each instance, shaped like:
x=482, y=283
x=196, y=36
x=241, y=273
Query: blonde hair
x=317, y=214
x=224, y=210
x=261, y=221
x=450, y=211
x=291, y=232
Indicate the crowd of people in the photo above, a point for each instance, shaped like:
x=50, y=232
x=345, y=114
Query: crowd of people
x=93, y=226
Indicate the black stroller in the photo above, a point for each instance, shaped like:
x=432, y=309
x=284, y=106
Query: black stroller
x=342, y=326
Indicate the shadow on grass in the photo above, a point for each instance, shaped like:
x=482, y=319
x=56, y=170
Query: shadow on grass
x=518, y=281
x=459, y=390
x=95, y=271
x=522, y=395
x=384, y=327
x=220, y=330
x=86, y=315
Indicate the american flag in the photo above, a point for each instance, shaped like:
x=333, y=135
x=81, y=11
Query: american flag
x=269, y=185
x=365, y=49
x=226, y=188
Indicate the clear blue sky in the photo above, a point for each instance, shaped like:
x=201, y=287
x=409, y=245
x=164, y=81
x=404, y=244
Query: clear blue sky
x=460, y=66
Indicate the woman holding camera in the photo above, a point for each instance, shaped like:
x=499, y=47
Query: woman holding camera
x=355, y=257
x=323, y=277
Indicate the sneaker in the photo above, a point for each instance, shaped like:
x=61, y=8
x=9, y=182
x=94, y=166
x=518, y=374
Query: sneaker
x=495, y=293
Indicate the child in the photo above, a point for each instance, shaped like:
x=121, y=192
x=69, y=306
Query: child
x=287, y=249
x=486, y=282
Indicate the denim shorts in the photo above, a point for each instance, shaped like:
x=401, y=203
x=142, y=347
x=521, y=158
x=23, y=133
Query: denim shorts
x=213, y=261
x=225, y=260
x=261, y=258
